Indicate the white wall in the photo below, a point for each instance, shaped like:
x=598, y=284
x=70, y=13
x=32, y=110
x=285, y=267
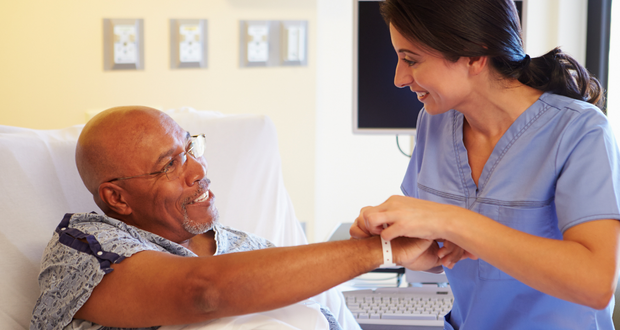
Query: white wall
x=352, y=171
x=552, y=23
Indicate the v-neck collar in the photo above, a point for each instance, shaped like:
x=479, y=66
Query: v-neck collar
x=516, y=130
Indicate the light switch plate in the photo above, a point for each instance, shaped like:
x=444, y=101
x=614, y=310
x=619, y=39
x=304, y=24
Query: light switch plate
x=294, y=42
x=123, y=44
x=188, y=43
x=259, y=43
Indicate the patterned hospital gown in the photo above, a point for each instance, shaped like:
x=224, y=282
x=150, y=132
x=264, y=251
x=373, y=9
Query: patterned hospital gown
x=83, y=248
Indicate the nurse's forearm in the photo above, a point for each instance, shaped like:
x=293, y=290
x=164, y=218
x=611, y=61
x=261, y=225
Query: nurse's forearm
x=582, y=268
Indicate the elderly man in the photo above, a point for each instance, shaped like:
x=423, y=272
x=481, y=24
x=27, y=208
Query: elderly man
x=159, y=256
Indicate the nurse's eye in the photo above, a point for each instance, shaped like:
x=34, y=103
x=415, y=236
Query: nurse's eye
x=409, y=62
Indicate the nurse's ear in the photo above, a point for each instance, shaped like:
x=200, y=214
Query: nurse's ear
x=477, y=64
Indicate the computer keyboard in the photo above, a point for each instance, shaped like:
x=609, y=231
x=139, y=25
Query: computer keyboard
x=410, y=307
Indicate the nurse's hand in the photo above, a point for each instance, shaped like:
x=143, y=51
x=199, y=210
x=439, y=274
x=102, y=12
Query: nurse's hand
x=448, y=255
x=405, y=216
x=410, y=217
x=423, y=256
x=451, y=253
x=358, y=229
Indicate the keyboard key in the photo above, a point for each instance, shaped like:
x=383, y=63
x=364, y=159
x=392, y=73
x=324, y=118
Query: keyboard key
x=397, y=316
x=363, y=316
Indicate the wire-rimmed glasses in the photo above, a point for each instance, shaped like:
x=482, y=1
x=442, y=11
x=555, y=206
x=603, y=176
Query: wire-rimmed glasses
x=195, y=147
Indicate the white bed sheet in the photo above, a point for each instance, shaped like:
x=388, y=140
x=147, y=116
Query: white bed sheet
x=304, y=315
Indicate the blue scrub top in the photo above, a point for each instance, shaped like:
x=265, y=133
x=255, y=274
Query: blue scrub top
x=557, y=166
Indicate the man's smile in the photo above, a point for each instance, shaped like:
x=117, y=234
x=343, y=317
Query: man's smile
x=201, y=198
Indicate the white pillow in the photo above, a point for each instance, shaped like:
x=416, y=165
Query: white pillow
x=38, y=185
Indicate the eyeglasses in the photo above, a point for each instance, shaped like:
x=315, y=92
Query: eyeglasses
x=195, y=147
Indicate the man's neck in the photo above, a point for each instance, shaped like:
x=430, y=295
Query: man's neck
x=202, y=245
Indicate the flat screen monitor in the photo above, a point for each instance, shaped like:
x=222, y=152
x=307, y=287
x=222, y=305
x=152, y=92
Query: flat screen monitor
x=379, y=107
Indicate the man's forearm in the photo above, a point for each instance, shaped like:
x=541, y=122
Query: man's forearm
x=157, y=288
x=266, y=279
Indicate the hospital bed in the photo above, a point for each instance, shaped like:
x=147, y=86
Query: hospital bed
x=39, y=183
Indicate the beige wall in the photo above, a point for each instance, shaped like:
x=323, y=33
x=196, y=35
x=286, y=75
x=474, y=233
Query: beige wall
x=51, y=71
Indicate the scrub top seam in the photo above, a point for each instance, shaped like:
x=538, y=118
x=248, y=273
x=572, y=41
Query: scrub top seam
x=458, y=158
x=519, y=204
x=526, y=204
x=441, y=193
x=510, y=144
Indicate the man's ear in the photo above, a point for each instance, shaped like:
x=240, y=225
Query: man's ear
x=477, y=64
x=113, y=196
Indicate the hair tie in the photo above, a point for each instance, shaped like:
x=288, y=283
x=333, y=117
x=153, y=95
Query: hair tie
x=525, y=61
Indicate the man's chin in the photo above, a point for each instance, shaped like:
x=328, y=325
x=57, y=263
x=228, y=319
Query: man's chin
x=200, y=223
x=196, y=228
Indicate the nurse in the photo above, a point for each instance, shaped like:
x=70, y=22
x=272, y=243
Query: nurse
x=515, y=169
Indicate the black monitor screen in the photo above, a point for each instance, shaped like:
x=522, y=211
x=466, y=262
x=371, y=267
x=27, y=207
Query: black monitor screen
x=380, y=104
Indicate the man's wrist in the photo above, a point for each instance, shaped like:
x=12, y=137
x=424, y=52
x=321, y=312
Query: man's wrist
x=373, y=257
x=388, y=258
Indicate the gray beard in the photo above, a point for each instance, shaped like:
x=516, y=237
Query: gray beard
x=195, y=228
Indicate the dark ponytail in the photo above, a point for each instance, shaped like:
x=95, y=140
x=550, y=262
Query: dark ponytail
x=559, y=73
x=491, y=28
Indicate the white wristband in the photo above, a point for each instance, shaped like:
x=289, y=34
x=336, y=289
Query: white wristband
x=386, y=247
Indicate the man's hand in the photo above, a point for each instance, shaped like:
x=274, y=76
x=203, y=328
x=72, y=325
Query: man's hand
x=415, y=253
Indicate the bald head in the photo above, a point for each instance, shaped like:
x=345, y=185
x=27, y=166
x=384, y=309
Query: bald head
x=109, y=141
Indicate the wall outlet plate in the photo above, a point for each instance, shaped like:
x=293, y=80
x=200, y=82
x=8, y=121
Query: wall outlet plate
x=294, y=42
x=259, y=43
x=188, y=43
x=123, y=44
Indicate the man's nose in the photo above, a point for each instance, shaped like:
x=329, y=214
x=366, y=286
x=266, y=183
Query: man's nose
x=196, y=169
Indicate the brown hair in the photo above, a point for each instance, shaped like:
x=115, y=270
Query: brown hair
x=471, y=28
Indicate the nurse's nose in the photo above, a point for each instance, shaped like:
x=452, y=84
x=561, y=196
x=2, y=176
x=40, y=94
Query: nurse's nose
x=402, y=76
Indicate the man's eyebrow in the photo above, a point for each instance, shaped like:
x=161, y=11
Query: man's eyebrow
x=169, y=153
x=164, y=155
